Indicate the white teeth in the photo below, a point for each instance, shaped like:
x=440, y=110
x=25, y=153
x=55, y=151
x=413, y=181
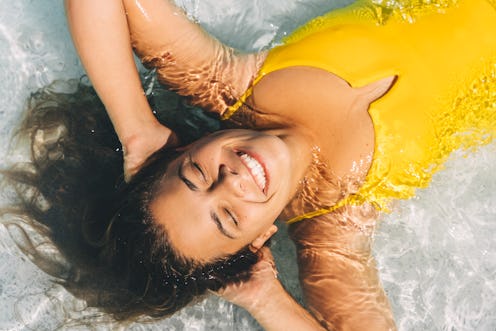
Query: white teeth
x=256, y=169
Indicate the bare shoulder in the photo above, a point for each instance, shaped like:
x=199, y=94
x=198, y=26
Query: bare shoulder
x=300, y=93
x=328, y=107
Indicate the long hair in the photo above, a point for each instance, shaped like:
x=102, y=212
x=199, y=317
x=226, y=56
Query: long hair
x=73, y=191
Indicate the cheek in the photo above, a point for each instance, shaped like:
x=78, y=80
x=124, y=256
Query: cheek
x=259, y=219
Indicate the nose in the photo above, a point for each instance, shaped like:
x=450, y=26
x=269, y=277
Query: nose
x=232, y=181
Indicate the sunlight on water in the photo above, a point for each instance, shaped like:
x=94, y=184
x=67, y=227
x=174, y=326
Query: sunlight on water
x=35, y=49
x=436, y=253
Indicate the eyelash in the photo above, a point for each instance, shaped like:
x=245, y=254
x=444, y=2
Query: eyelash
x=198, y=167
x=231, y=216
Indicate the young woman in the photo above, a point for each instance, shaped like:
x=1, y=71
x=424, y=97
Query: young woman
x=356, y=108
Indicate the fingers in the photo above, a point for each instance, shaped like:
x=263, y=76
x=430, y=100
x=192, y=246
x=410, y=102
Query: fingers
x=128, y=174
x=137, y=150
x=131, y=167
x=265, y=254
x=266, y=262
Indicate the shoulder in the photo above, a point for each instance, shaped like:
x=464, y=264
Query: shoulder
x=300, y=92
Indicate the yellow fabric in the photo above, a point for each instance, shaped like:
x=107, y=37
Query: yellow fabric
x=444, y=54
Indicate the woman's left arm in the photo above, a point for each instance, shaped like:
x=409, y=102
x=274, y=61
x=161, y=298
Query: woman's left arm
x=264, y=297
x=338, y=273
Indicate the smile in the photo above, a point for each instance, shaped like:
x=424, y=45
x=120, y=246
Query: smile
x=256, y=170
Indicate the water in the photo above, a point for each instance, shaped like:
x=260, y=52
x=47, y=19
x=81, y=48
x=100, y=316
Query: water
x=436, y=253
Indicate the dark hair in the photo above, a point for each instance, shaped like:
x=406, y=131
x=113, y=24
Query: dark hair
x=73, y=191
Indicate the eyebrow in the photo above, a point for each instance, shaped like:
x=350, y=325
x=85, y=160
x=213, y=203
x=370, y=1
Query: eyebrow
x=221, y=228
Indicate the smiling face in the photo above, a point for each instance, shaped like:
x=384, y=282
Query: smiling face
x=225, y=192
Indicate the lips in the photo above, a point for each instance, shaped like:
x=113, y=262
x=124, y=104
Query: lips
x=256, y=170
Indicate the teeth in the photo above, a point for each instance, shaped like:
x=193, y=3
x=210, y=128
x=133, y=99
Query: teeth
x=256, y=169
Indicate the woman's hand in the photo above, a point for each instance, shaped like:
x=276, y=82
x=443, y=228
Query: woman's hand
x=264, y=297
x=137, y=148
x=253, y=293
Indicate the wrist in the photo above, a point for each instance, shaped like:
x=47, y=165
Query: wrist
x=274, y=295
x=133, y=130
x=148, y=135
x=279, y=311
x=130, y=113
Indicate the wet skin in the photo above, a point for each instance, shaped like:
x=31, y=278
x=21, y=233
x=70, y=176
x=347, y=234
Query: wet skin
x=226, y=190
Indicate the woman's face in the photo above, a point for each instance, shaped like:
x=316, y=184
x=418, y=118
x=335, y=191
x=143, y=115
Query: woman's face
x=225, y=191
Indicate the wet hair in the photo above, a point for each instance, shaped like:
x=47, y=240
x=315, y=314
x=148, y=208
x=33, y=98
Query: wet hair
x=72, y=191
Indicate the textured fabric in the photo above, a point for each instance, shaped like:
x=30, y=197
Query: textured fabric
x=444, y=55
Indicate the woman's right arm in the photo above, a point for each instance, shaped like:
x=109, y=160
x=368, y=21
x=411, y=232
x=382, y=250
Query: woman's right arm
x=187, y=59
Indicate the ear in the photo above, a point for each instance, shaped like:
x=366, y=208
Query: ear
x=261, y=239
x=377, y=89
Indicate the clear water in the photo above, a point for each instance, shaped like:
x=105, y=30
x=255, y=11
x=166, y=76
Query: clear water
x=436, y=253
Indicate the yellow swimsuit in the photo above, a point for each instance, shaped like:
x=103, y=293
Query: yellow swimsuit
x=444, y=55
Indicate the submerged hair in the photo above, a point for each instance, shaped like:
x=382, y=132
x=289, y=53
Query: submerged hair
x=72, y=190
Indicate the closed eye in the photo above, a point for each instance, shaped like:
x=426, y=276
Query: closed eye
x=185, y=180
x=231, y=216
x=200, y=170
x=219, y=225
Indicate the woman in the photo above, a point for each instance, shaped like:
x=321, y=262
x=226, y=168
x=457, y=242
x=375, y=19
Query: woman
x=234, y=184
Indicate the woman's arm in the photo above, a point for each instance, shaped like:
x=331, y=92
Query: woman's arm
x=101, y=36
x=187, y=59
x=338, y=273
x=264, y=297
x=280, y=312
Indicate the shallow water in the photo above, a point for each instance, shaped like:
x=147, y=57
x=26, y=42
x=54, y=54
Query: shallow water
x=436, y=252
